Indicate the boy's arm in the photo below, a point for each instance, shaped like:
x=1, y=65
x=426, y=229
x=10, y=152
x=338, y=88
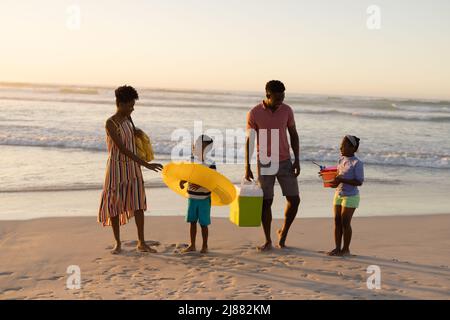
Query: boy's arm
x=192, y=186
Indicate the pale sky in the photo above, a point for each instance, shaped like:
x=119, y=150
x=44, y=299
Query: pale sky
x=321, y=47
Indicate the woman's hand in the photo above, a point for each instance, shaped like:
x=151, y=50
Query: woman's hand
x=154, y=166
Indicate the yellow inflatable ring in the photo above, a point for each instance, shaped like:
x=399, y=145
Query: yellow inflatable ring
x=222, y=190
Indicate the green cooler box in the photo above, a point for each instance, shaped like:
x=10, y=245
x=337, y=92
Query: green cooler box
x=246, y=209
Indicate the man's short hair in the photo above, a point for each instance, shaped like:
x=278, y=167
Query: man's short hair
x=275, y=86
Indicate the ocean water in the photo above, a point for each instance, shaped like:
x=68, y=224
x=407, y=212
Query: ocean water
x=52, y=138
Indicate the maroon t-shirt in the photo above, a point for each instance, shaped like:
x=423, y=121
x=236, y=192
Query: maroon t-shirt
x=261, y=117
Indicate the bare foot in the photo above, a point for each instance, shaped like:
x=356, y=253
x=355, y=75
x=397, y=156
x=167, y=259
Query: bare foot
x=143, y=247
x=191, y=248
x=345, y=253
x=204, y=250
x=281, y=239
x=117, y=249
x=334, y=252
x=265, y=247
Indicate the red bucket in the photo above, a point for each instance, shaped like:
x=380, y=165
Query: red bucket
x=328, y=175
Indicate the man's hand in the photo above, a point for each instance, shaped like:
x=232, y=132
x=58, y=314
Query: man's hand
x=154, y=166
x=248, y=174
x=296, y=166
x=182, y=183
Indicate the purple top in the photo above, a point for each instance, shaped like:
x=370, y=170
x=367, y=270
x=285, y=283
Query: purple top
x=353, y=169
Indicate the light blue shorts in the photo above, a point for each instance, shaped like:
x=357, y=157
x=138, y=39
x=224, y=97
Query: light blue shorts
x=199, y=210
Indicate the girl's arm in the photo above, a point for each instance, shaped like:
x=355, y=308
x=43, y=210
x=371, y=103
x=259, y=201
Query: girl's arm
x=352, y=182
x=111, y=129
x=359, y=176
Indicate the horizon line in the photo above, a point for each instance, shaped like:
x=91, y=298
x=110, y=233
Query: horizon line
x=222, y=91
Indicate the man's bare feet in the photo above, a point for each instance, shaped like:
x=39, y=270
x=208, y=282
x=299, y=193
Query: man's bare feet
x=281, y=239
x=117, y=249
x=191, y=248
x=265, y=247
x=204, y=250
x=143, y=247
x=334, y=252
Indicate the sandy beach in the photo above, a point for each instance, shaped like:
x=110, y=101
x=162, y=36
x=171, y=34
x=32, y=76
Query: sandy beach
x=111, y=109
x=412, y=252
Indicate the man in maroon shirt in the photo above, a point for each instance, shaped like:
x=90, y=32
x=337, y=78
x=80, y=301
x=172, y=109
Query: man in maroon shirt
x=271, y=119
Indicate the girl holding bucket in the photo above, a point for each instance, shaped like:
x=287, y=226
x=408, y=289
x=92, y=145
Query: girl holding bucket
x=350, y=176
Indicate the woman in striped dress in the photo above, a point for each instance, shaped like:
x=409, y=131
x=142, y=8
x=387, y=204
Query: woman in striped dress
x=123, y=195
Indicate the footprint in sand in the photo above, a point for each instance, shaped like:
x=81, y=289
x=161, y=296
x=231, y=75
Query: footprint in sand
x=358, y=277
x=247, y=247
x=6, y=273
x=199, y=284
x=10, y=290
x=262, y=269
x=179, y=247
x=52, y=278
x=225, y=281
x=120, y=292
x=45, y=293
x=309, y=276
x=290, y=261
x=162, y=279
x=172, y=293
x=133, y=243
x=228, y=263
x=346, y=277
x=356, y=268
x=260, y=290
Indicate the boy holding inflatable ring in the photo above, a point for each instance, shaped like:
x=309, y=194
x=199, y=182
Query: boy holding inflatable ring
x=199, y=198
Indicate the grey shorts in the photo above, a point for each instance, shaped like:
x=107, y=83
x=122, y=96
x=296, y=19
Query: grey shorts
x=285, y=176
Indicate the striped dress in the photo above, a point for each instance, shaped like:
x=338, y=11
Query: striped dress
x=123, y=190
